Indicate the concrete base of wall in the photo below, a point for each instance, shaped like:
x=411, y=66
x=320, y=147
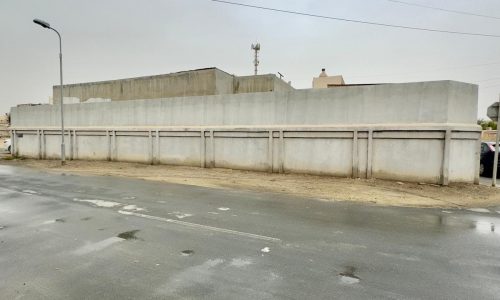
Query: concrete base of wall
x=431, y=153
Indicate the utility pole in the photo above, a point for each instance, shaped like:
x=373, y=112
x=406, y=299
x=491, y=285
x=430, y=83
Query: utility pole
x=495, y=159
x=493, y=113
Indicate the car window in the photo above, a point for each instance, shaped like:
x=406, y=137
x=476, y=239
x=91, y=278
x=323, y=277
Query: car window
x=484, y=148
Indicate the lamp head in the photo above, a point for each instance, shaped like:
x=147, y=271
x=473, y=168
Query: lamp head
x=41, y=23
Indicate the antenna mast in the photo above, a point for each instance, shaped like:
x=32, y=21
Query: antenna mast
x=256, y=48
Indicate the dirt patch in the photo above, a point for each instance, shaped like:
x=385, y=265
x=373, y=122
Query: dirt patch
x=371, y=191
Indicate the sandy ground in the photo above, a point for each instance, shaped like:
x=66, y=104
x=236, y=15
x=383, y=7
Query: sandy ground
x=375, y=192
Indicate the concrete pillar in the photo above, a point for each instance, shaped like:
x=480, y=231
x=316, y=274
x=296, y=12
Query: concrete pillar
x=203, y=150
x=13, y=145
x=355, y=158
x=75, y=145
x=212, y=149
x=70, y=142
x=42, y=139
x=478, y=160
x=369, y=157
x=445, y=170
x=281, y=156
x=270, y=152
x=39, y=146
x=157, y=146
x=150, y=152
x=114, y=151
x=108, y=141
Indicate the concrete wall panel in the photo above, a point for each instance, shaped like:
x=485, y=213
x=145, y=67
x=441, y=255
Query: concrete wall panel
x=318, y=156
x=463, y=162
x=184, y=151
x=52, y=147
x=242, y=153
x=409, y=159
x=132, y=149
x=90, y=147
x=28, y=146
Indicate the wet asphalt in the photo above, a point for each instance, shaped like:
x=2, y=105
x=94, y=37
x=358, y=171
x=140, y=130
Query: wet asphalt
x=82, y=237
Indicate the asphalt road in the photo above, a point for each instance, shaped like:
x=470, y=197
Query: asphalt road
x=82, y=237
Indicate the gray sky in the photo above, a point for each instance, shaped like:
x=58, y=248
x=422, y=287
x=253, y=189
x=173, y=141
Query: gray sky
x=124, y=38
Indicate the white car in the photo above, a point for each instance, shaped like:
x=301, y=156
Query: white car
x=7, y=145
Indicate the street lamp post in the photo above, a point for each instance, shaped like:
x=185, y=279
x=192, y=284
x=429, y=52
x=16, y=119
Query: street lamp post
x=47, y=25
x=495, y=158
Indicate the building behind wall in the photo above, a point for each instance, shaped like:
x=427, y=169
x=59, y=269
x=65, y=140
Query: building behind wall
x=200, y=82
x=324, y=81
x=4, y=124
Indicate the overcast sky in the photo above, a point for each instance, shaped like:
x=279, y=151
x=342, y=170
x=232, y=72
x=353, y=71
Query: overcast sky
x=114, y=39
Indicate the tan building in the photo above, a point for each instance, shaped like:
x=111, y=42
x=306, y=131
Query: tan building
x=324, y=81
x=4, y=124
x=489, y=135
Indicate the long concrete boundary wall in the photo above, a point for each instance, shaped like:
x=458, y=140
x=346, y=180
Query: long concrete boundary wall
x=421, y=132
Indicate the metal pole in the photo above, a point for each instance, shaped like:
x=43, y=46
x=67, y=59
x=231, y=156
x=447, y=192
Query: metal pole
x=495, y=160
x=63, y=147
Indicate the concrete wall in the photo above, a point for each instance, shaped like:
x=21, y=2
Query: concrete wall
x=408, y=103
x=421, y=132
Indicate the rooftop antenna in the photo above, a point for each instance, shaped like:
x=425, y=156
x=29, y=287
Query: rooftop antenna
x=256, y=48
x=281, y=75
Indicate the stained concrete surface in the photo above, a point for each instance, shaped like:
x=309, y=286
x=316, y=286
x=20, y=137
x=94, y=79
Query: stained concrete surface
x=82, y=237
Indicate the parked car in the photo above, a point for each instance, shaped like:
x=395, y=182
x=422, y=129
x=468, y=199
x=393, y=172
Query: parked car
x=7, y=145
x=487, y=157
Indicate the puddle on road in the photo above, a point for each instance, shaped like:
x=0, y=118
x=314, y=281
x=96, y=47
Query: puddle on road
x=479, y=210
x=348, y=276
x=187, y=252
x=240, y=262
x=265, y=250
x=181, y=215
x=99, y=203
x=484, y=227
x=128, y=235
x=29, y=192
x=133, y=207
